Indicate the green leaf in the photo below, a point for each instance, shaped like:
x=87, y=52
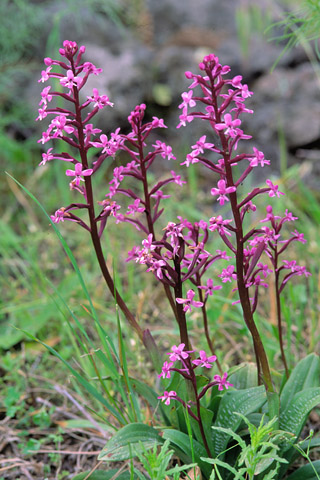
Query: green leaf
x=103, y=475
x=232, y=434
x=294, y=417
x=305, y=375
x=119, y=446
x=243, y=376
x=233, y=402
x=307, y=472
x=180, y=442
x=145, y=391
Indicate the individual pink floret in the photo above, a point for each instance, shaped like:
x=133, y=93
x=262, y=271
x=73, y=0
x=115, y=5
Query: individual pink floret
x=222, y=190
x=209, y=288
x=178, y=352
x=46, y=157
x=99, y=101
x=167, y=397
x=45, y=96
x=71, y=80
x=258, y=159
x=58, y=216
x=45, y=75
x=165, y=373
x=187, y=100
x=222, y=381
x=274, y=189
x=229, y=125
x=188, y=302
x=227, y=274
x=77, y=172
x=204, y=361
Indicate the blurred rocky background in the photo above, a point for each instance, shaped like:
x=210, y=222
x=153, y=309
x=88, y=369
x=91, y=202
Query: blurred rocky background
x=144, y=47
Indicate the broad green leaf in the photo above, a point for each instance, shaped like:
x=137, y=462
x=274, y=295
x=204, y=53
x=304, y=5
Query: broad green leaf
x=145, y=391
x=307, y=472
x=119, y=446
x=305, y=375
x=180, y=442
x=232, y=434
x=243, y=376
x=103, y=475
x=233, y=402
x=293, y=418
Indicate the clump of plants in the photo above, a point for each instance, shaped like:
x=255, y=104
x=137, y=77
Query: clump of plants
x=207, y=418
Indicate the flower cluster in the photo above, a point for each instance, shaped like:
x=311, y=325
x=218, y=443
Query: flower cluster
x=179, y=257
x=187, y=370
x=74, y=127
x=223, y=110
x=147, y=198
x=68, y=124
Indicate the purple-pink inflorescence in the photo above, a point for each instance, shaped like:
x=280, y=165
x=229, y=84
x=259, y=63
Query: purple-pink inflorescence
x=187, y=370
x=180, y=253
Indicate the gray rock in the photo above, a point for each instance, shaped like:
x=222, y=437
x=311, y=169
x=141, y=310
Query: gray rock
x=287, y=100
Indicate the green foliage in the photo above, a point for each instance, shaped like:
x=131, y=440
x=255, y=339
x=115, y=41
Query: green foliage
x=104, y=475
x=258, y=455
x=23, y=304
x=104, y=378
x=119, y=447
x=155, y=462
x=312, y=469
x=154, y=458
x=12, y=402
x=232, y=403
x=268, y=452
x=306, y=472
x=301, y=25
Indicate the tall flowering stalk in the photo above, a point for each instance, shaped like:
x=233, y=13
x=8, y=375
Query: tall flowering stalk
x=73, y=126
x=220, y=102
x=178, y=257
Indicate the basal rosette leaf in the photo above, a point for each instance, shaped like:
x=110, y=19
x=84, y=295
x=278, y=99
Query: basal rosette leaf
x=243, y=376
x=119, y=447
x=305, y=375
x=294, y=417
